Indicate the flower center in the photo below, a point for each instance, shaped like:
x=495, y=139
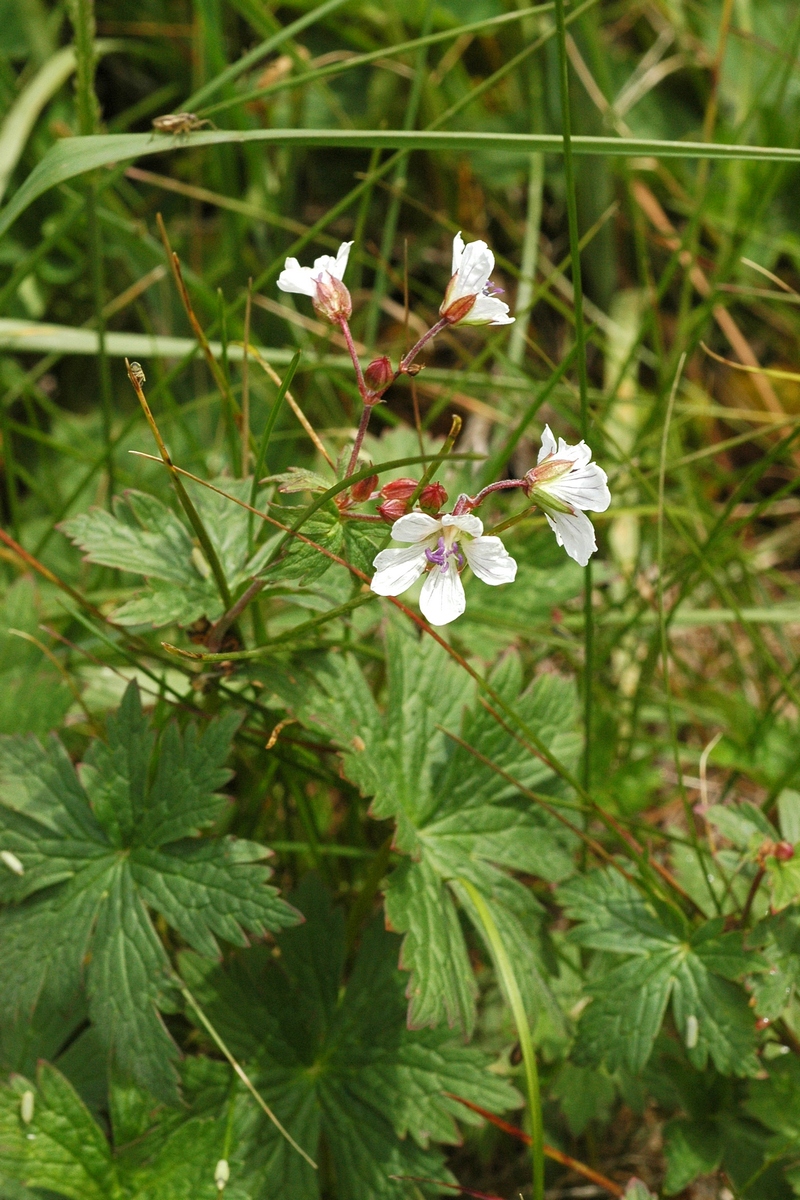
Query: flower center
x=440, y=557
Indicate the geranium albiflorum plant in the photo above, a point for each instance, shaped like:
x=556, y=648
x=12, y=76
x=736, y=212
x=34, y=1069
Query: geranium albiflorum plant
x=564, y=484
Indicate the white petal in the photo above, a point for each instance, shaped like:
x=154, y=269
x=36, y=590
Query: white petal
x=579, y=454
x=467, y=523
x=294, y=278
x=583, y=487
x=396, y=570
x=415, y=527
x=477, y=264
x=338, y=269
x=548, y=444
x=458, y=252
x=490, y=560
x=575, y=533
x=487, y=310
x=442, y=597
x=325, y=263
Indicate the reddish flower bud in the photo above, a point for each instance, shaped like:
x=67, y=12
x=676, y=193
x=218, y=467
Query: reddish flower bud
x=399, y=489
x=379, y=374
x=364, y=488
x=392, y=510
x=783, y=851
x=332, y=299
x=432, y=497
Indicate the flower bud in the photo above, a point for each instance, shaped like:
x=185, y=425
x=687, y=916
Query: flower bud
x=399, y=489
x=432, y=497
x=364, y=488
x=392, y=510
x=783, y=851
x=379, y=374
x=222, y=1174
x=26, y=1107
x=332, y=299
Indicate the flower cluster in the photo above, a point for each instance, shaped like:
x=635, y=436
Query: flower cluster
x=565, y=484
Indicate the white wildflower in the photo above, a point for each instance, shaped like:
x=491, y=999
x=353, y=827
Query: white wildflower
x=566, y=484
x=222, y=1174
x=471, y=299
x=442, y=546
x=322, y=282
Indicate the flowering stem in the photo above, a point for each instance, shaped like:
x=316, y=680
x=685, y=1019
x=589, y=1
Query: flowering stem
x=348, y=337
x=362, y=429
x=407, y=359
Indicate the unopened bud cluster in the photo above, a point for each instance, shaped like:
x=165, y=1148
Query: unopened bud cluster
x=397, y=496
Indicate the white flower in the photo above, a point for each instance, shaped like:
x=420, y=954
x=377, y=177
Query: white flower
x=441, y=545
x=322, y=282
x=470, y=298
x=564, y=483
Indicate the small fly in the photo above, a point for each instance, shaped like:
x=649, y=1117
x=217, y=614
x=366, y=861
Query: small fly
x=180, y=123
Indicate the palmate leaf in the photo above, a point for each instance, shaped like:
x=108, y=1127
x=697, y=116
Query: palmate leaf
x=339, y=1063
x=158, y=1154
x=455, y=818
x=145, y=537
x=664, y=960
x=100, y=846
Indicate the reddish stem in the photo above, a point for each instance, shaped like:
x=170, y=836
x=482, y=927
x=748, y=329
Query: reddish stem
x=407, y=359
x=348, y=337
x=362, y=429
x=550, y=1151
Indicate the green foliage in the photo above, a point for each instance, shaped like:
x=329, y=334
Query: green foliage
x=663, y=959
x=143, y=536
x=456, y=819
x=335, y=1061
x=34, y=698
x=96, y=849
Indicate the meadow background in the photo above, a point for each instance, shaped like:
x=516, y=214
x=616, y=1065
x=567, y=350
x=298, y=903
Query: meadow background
x=677, y=651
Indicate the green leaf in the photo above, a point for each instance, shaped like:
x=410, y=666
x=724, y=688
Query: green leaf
x=789, y=815
x=299, y=479
x=337, y=1062
x=742, y=824
x=96, y=849
x=584, y=1095
x=304, y=562
x=159, y=1154
x=362, y=541
x=75, y=156
x=784, y=881
x=619, y=1027
x=455, y=817
x=145, y=537
x=61, y=1149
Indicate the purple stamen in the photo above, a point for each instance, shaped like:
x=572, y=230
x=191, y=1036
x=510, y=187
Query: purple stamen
x=490, y=289
x=440, y=556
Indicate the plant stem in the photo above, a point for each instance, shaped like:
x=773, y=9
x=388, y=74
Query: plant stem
x=514, y=997
x=186, y=503
x=407, y=359
x=583, y=382
x=362, y=429
x=348, y=337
